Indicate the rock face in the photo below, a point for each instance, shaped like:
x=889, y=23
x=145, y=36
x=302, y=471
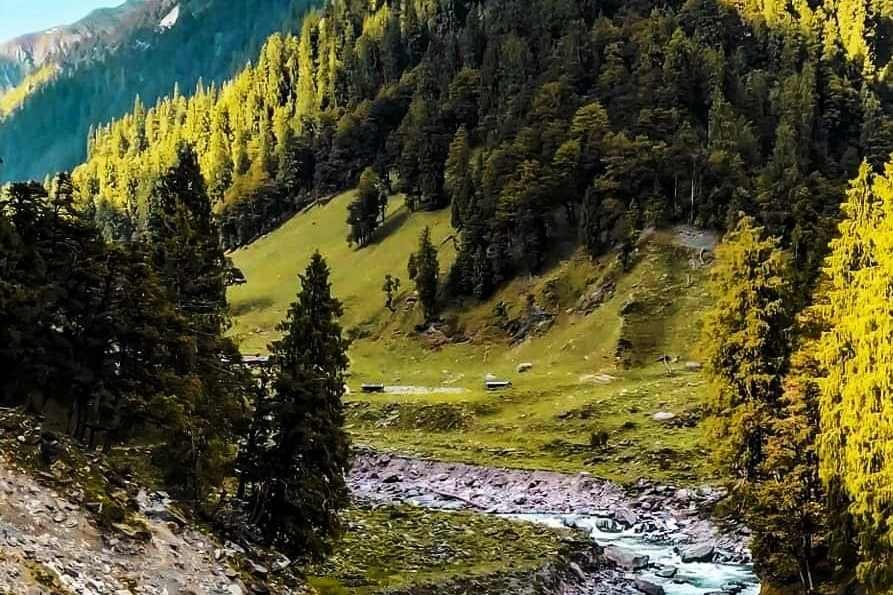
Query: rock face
x=90, y=37
x=41, y=528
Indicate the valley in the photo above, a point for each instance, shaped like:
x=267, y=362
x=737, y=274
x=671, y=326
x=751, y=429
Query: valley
x=439, y=297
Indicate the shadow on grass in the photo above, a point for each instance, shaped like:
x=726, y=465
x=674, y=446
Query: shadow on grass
x=244, y=307
x=391, y=225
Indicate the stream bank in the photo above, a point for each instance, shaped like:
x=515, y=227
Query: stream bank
x=656, y=538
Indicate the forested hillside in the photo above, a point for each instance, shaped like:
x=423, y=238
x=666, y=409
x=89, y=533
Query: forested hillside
x=527, y=118
x=53, y=111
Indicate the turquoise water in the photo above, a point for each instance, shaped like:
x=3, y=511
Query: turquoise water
x=694, y=578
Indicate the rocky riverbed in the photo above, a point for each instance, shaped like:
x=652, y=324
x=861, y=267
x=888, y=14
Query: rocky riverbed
x=656, y=538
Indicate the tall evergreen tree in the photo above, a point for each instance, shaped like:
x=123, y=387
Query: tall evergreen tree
x=856, y=356
x=424, y=269
x=185, y=241
x=307, y=450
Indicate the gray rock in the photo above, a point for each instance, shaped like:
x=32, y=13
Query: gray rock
x=663, y=416
x=608, y=525
x=578, y=572
x=625, y=517
x=698, y=553
x=525, y=367
x=666, y=572
x=647, y=587
x=625, y=559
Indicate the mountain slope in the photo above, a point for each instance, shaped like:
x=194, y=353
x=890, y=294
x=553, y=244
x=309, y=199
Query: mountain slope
x=23, y=59
x=595, y=359
x=143, y=51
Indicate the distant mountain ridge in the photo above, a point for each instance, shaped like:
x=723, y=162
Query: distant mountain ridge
x=57, y=84
x=98, y=32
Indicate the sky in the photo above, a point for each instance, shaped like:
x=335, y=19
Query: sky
x=18, y=17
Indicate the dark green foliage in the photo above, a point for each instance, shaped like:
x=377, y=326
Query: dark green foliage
x=368, y=209
x=86, y=324
x=424, y=269
x=204, y=417
x=297, y=455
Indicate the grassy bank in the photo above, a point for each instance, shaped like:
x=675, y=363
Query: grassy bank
x=400, y=547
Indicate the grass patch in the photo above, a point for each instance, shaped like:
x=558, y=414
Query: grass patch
x=396, y=547
x=271, y=266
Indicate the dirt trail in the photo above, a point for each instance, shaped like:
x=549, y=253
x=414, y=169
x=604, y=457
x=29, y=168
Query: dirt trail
x=49, y=544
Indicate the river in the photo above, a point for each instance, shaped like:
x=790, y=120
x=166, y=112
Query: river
x=657, y=521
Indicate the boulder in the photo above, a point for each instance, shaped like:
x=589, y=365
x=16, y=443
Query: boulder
x=666, y=572
x=608, y=525
x=648, y=588
x=698, y=553
x=525, y=367
x=663, y=416
x=625, y=517
x=625, y=559
x=578, y=572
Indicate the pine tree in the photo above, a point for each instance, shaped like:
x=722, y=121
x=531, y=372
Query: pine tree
x=788, y=507
x=304, y=485
x=390, y=288
x=187, y=254
x=424, y=269
x=457, y=177
x=367, y=211
x=744, y=341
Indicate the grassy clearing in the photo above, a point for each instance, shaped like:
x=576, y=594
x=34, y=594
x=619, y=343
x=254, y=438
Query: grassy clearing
x=595, y=370
x=272, y=264
x=394, y=547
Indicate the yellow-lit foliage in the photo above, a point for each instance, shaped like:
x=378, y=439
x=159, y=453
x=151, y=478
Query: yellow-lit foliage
x=857, y=355
x=745, y=346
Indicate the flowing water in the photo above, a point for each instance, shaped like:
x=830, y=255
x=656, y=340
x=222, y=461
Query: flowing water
x=692, y=578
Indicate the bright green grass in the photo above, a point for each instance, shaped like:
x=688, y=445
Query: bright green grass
x=272, y=264
x=547, y=419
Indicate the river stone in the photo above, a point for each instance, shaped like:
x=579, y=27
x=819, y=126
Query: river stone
x=575, y=568
x=608, y=525
x=647, y=587
x=625, y=517
x=698, y=553
x=626, y=559
x=666, y=572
